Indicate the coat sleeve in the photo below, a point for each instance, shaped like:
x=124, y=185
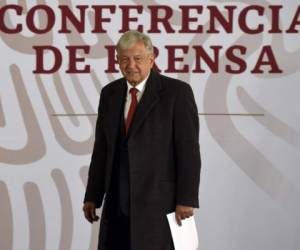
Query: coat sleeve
x=96, y=178
x=186, y=147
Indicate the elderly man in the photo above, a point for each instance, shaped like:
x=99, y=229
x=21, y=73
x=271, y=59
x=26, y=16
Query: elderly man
x=146, y=157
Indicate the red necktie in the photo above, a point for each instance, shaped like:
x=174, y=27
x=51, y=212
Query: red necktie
x=132, y=107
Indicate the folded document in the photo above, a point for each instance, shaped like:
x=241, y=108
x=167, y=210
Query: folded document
x=185, y=237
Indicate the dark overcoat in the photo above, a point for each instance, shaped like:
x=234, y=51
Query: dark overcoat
x=164, y=157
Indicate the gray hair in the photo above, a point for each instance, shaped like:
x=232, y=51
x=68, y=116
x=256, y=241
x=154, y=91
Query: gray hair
x=129, y=38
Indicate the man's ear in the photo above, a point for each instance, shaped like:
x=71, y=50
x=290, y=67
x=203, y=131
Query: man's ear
x=151, y=58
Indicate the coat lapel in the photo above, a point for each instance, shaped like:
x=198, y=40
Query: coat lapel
x=116, y=107
x=149, y=99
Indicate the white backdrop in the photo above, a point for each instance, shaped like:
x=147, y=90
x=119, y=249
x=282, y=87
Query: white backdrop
x=249, y=135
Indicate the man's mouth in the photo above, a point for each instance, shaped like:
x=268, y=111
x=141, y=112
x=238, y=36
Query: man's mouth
x=131, y=73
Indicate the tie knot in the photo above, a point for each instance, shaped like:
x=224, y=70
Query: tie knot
x=133, y=91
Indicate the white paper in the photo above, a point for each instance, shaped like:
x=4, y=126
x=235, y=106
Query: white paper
x=185, y=237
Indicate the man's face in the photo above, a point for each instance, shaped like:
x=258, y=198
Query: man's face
x=135, y=63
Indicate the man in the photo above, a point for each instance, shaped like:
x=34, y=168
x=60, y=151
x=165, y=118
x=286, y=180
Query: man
x=146, y=156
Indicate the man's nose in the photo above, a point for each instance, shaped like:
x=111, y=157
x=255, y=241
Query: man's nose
x=131, y=63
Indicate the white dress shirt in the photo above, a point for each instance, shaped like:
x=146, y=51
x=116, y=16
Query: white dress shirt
x=141, y=88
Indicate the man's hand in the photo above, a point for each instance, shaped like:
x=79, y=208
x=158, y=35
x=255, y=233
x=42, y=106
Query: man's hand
x=89, y=209
x=183, y=212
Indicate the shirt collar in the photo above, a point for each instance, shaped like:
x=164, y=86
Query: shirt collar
x=140, y=87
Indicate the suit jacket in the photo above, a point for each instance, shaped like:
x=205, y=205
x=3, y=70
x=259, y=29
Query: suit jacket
x=163, y=152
